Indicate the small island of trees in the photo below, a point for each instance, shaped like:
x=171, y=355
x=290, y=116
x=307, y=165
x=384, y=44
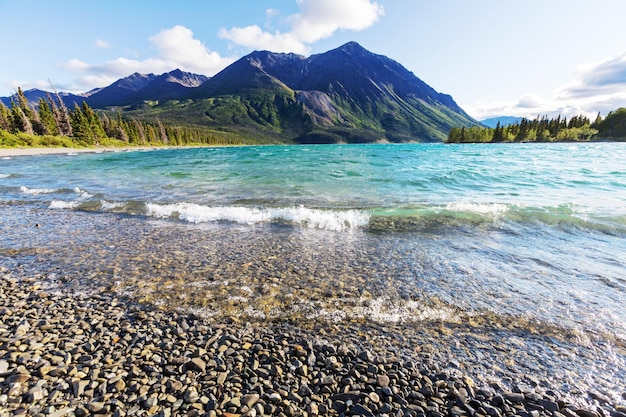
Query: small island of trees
x=544, y=129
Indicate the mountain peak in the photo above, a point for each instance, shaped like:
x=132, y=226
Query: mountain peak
x=353, y=48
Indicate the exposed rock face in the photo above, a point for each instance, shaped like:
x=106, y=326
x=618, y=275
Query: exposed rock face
x=319, y=106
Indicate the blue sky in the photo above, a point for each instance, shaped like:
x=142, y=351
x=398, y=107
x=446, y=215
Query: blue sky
x=495, y=57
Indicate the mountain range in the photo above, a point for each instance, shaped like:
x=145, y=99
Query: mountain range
x=348, y=94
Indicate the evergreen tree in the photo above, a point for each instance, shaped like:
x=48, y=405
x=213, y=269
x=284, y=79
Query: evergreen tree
x=34, y=125
x=62, y=115
x=20, y=122
x=162, y=132
x=22, y=102
x=597, y=122
x=95, y=124
x=141, y=134
x=80, y=125
x=47, y=123
x=498, y=133
x=5, y=117
x=120, y=132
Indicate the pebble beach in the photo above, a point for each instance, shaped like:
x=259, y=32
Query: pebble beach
x=76, y=354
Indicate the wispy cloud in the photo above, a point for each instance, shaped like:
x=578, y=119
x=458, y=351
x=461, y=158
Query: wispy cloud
x=102, y=44
x=597, y=87
x=318, y=19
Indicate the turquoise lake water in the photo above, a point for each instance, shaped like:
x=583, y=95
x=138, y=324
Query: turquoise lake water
x=528, y=237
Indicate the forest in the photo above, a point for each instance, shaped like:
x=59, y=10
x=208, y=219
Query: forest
x=544, y=129
x=50, y=123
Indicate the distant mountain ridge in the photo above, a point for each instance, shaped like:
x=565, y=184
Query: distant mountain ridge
x=503, y=120
x=129, y=90
x=33, y=95
x=348, y=94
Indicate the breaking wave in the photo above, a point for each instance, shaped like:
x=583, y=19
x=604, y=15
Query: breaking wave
x=306, y=217
x=36, y=191
x=424, y=218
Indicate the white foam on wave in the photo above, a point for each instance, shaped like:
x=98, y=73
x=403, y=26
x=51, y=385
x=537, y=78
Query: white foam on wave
x=82, y=193
x=306, y=217
x=4, y=175
x=36, y=191
x=485, y=209
x=111, y=205
x=60, y=204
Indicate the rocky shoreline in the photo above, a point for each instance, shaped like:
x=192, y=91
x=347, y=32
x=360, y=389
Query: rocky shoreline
x=65, y=353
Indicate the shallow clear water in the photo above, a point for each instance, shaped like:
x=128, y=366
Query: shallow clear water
x=524, y=238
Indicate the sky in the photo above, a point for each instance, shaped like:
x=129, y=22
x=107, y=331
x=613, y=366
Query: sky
x=494, y=57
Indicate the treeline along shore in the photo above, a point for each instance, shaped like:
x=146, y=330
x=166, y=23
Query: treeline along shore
x=544, y=129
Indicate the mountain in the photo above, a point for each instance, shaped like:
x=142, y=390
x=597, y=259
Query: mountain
x=503, y=120
x=346, y=94
x=169, y=86
x=137, y=88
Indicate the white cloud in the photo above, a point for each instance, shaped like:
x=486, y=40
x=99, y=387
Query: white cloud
x=102, y=44
x=603, y=81
x=254, y=37
x=76, y=65
x=318, y=19
x=176, y=49
x=597, y=87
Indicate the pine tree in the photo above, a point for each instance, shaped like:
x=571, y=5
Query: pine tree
x=46, y=118
x=5, y=117
x=19, y=120
x=62, y=115
x=34, y=125
x=162, y=132
x=598, y=121
x=498, y=133
x=22, y=101
x=80, y=125
x=141, y=134
x=120, y=128
x=95, y=124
